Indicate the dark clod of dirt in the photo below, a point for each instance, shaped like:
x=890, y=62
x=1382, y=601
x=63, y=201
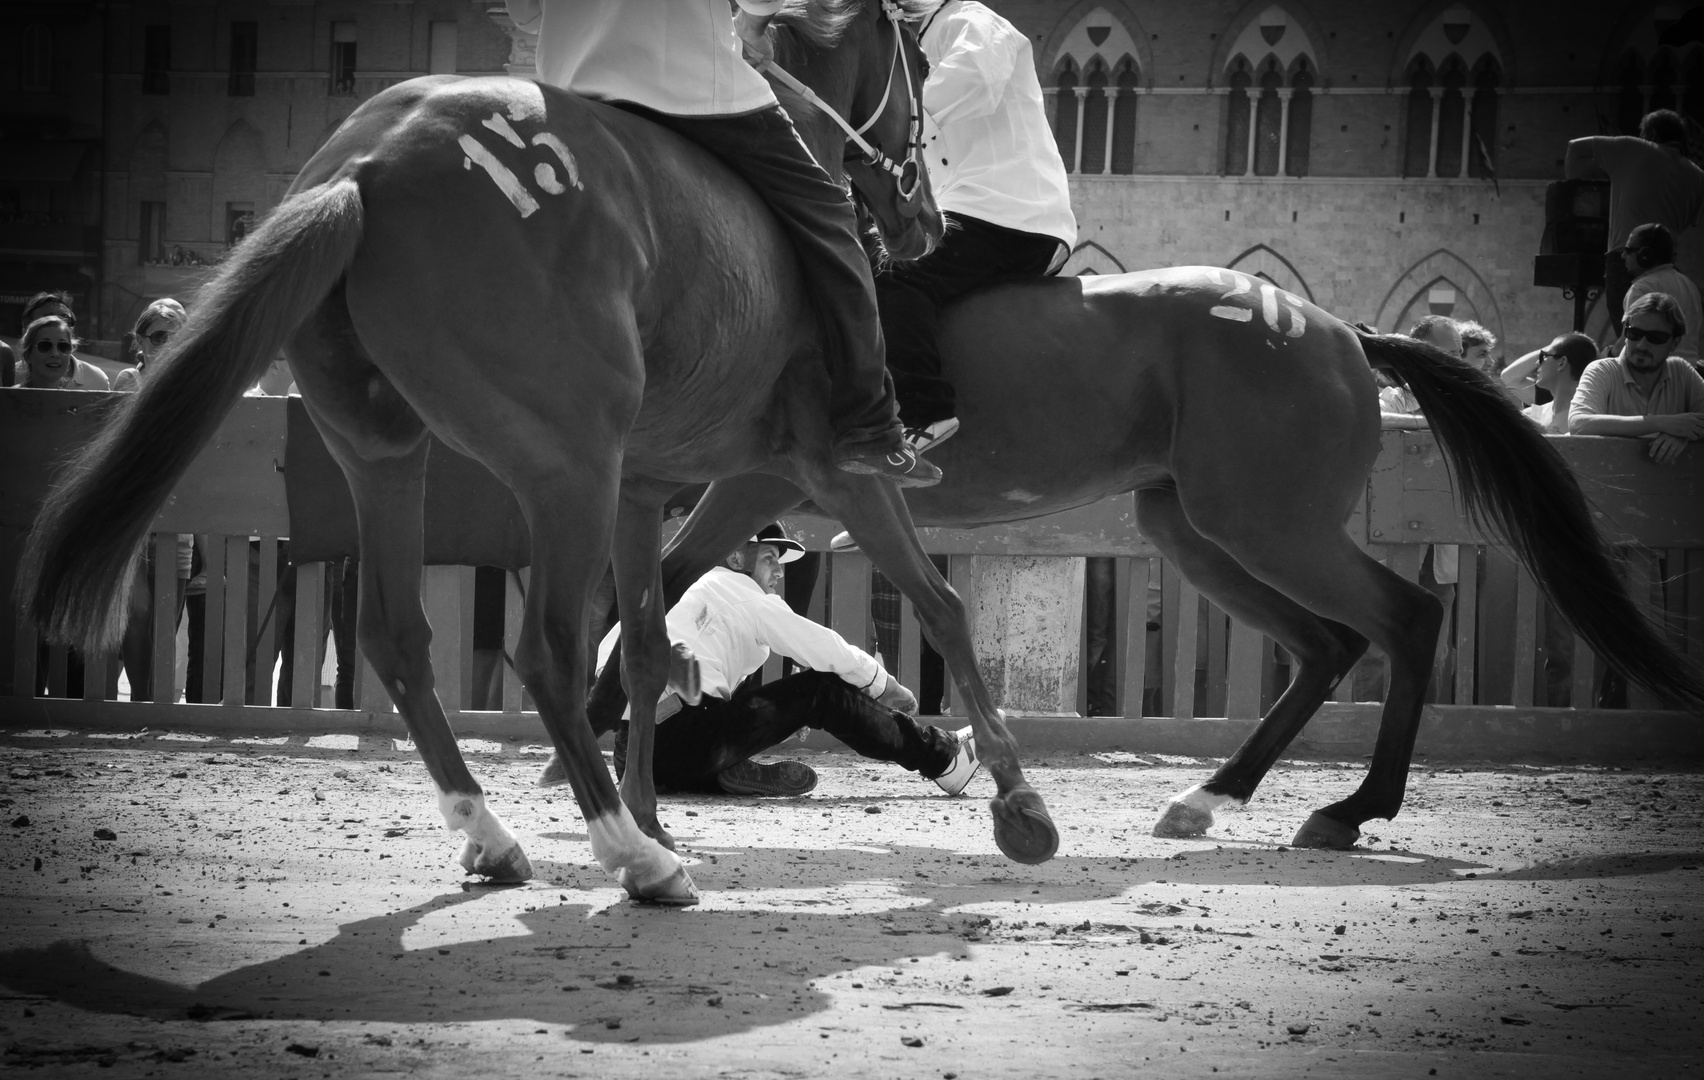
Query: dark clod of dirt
x=304, y=1051
x=911, y=1040
x=105, y=834
x=1299, y=1029
x=180, y=776
x=867, y=810
x=997, y=991
x=1340, y=930
x=22, y=821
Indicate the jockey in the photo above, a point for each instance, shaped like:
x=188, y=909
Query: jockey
x=1000, y=183
x=679, y=63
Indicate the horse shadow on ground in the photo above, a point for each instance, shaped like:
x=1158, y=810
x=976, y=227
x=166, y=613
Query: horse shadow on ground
x=609, y=971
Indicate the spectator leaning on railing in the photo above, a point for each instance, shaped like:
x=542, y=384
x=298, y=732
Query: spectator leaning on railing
x=1645, y=391
x=1556, y=369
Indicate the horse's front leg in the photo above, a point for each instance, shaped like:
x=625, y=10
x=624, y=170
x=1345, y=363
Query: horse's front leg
x=645, y=652
x=876, y=515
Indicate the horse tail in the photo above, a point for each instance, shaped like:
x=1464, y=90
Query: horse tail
x=83, y=552
x=1518, y=487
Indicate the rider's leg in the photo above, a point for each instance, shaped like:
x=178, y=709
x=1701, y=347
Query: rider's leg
x=973, y=253
x=765, y=150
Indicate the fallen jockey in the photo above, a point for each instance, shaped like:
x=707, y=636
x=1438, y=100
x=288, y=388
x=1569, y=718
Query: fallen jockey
x=679, y=63
x=725, y=628
x=1000, y=183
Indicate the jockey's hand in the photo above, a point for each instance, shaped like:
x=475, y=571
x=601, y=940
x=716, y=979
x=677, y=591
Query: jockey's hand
x=754, y=36
x=897, y=697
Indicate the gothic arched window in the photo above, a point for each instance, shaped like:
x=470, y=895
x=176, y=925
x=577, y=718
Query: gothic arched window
x=1065, y=113
x=1237, y=120
x=1417, y=151
x=1300, y=131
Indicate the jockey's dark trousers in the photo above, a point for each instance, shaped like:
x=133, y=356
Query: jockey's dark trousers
x=764, y=149
x=701, y=740
x=972, y=254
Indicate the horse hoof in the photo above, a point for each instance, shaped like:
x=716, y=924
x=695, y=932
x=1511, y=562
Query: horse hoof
x=1320, y=831
x=1022, y=830
x=510, y=865
x=676, y=890
x=555, y=773
x=1182, y=820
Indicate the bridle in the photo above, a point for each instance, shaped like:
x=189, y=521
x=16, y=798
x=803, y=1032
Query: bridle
x=907, y=175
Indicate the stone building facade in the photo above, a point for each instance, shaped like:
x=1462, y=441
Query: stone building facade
x=1385, y=158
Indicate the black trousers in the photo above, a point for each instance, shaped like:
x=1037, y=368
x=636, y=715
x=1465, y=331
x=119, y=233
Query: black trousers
x=765, y=150
x=971, y=255
x=701, y=740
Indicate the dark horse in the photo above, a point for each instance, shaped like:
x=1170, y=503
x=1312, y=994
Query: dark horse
x=652, y=331
x=1246, y=420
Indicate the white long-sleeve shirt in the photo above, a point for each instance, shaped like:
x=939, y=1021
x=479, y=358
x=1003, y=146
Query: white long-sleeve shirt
x=680, y=57
x=732, y=626
x=990, y=152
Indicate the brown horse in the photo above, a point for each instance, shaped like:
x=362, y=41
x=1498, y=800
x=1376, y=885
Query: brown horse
x=653, y=332
x=1246, y=420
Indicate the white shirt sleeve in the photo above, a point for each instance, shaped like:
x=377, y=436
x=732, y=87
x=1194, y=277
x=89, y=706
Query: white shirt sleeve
x=976, y=62
x=815, y=646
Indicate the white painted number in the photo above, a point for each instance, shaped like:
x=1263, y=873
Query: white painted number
x=1270, y=297
x=543, y=173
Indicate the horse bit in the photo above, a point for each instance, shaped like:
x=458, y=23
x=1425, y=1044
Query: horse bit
x=874, y=156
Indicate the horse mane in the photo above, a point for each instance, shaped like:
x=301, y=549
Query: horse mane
x=822, y=22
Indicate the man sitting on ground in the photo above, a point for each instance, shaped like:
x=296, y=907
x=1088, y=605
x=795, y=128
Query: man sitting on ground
x=1556, y=369
x=1649, y=258
x=730, y=621
x=1645, y=392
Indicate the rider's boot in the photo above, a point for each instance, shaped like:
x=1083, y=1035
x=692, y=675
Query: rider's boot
x=925, y=437
x=898, y=464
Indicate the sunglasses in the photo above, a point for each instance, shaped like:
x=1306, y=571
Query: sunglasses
x=49, y=346
x=1655, y=337
x=158, y=337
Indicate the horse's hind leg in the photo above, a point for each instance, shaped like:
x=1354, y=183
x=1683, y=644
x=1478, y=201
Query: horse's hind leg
x=380, y=442
x=1324, y=651
x=1328, y=575
x=877, y=516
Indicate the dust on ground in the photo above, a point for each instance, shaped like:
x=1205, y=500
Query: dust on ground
x=216, y=908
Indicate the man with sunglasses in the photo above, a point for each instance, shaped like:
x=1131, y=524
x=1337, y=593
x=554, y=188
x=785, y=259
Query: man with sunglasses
x=1646, y=392
x=679, y=63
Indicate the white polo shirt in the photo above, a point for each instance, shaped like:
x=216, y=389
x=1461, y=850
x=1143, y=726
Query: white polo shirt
x=732, y=626
x=680, y=57
x=990, y=152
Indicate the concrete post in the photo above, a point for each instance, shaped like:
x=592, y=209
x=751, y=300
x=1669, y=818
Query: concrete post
x=1026, y=616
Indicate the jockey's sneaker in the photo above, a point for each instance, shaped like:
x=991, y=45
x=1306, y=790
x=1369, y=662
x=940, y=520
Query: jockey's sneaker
x=900, y=465
x=964, y=765
x=775, y=778
x=843, y=542
x=925, y=438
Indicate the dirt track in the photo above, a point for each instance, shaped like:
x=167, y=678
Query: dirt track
x=284, y=911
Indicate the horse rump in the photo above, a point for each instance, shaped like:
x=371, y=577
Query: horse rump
x=1517, y=486
x=81, y=555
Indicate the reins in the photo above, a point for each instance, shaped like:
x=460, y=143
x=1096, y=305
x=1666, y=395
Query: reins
x=873, y=155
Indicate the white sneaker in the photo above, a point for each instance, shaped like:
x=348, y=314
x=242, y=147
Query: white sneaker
x=926, y=438
x=843, y=542
x=964, y=766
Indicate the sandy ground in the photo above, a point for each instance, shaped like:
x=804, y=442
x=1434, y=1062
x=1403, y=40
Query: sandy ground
x=284, y=911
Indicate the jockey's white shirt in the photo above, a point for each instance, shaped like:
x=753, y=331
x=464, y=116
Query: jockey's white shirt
x=680, y=57
x=990, y=152
x=732, y=626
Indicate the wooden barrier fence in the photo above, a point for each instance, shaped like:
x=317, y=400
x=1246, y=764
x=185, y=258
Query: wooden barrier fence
x=1208, y=665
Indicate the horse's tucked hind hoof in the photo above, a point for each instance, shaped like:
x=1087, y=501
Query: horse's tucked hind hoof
x=555, y=772
x=1181, y=820
x=509, y=865
x=1320, y=831
x=1023, y=831
x=676, y=890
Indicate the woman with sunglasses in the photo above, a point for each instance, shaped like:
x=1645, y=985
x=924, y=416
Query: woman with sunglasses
x=47, y=359
x=1645, y=392
x=154, y=327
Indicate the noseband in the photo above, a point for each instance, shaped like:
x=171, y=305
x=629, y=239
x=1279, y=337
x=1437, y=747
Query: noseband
x=907, y=175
